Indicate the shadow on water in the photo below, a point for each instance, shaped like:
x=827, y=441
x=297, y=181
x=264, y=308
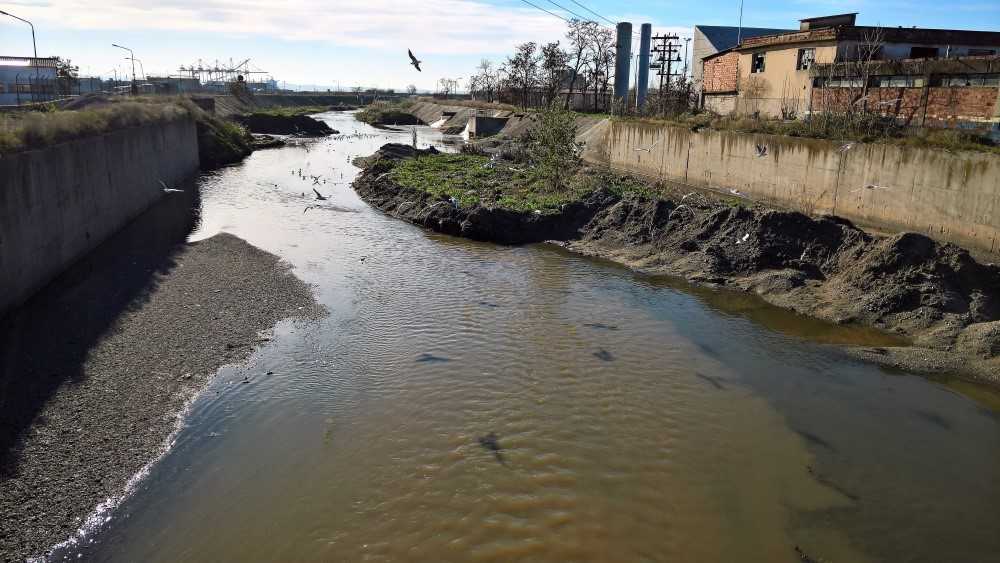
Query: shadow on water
x=45, y=342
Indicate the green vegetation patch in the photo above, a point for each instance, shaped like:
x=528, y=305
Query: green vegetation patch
x=386, y=116
x=285, y=111
x=476, y=180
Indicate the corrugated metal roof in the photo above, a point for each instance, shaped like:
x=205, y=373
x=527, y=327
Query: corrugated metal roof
x=28, y=61
x=723, y=37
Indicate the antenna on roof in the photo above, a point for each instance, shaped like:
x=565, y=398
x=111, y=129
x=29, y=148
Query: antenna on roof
x=739, y=30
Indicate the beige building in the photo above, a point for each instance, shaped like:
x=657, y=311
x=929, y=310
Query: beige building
x=772, y=72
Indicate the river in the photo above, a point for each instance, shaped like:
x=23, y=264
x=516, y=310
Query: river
x=638, y=418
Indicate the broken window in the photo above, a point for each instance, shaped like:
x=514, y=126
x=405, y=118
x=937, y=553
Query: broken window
x=923, y=52
x=897, y=81
x=757, y=62
x=970, y=80
x=806, y=58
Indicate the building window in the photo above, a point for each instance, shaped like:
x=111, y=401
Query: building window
x=969, y=80
x=838, y=82
x=806, y=59
x=757, y=62
x=923, y=52
x=897, y=81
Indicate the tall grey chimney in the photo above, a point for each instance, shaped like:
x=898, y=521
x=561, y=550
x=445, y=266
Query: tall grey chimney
x=644, y=40
x=622, y=59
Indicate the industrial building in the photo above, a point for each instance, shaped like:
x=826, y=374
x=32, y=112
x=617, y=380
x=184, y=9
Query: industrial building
x=776, y=75
x=711, y=39
x=27, y=79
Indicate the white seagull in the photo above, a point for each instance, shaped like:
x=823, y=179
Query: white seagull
x=649, y=148
x=167, y=190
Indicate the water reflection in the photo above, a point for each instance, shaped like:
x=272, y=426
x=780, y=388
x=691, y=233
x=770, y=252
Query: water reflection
x=636, y=418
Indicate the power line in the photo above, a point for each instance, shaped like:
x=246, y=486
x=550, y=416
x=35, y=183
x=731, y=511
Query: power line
x=571, y=12
x=567, y=10
x=544, y=10
x=592, y=12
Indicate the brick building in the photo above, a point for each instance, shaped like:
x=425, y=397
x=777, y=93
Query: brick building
x=720, y=84
x=712, y=39
x=775, y=74
x=961, y=91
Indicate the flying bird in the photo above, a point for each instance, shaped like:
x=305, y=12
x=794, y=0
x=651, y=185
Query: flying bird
x=319, y=196
x=761, y=151
x=167, y=190
x=649, y=148
x=414, y=61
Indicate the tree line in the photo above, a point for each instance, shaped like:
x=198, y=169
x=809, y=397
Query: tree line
x=537, y=75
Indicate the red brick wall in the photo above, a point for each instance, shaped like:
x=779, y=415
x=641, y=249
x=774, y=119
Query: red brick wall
x=944, y=104
x=720, y=73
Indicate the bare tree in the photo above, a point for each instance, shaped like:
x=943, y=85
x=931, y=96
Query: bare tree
x=411, y=89
x=578, y=35
x=522, y=70
x=553, y=60
x=485, y=82
x=601, y=55
x=447, y=86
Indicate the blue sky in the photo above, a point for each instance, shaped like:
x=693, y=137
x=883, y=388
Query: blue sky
x=364, y=42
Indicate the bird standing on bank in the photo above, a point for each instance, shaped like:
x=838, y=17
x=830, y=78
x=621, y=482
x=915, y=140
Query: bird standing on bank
x=414, y=61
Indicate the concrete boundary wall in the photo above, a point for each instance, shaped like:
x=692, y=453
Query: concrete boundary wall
x=59, y=203
x=950, y=196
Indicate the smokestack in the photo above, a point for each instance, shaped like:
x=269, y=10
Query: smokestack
x=644, y=40
x=622, y=59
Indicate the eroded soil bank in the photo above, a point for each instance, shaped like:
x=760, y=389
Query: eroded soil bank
x=96, y=368
x=279, y=124
x=934, y=295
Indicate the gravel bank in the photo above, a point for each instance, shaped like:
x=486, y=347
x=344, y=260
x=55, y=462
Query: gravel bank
x=96, y=369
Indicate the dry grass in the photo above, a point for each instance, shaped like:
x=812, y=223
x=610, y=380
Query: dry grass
x=836, y=127
x=471, y=104
x=34, y=130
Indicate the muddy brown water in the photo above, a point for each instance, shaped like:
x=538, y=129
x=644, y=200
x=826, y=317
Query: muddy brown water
x=637, y=418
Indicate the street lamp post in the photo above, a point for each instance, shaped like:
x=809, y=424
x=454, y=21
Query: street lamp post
x=132, y=55
x=34, y=46
x=142, y=70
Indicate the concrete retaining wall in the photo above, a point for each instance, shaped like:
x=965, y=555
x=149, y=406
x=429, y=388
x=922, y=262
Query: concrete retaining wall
x=58, y=203
x=951, y=196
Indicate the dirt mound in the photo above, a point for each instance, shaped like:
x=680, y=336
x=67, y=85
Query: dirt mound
x=391, y=152
x=925, y=291
x=273, y=124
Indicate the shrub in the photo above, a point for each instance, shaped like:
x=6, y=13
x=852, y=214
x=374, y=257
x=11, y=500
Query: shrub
x=553, y=147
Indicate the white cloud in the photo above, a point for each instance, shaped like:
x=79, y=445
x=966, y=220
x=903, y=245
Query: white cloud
x=429, y=26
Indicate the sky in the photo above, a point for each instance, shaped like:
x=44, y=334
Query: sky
x=345, y=43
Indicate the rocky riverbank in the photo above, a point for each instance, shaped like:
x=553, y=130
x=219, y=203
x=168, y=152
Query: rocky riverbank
x=934, y=295
x=97, y=367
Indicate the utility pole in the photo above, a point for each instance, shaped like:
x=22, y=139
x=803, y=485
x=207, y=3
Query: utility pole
x=664, y=46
